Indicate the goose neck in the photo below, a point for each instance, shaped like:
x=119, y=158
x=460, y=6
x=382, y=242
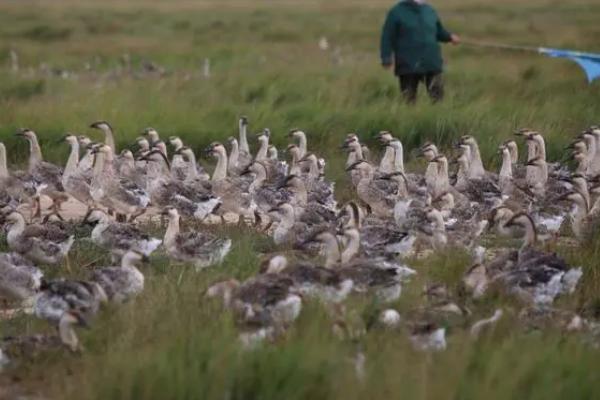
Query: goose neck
x=332, y=252
x=352, y=247
x=172, y=230
x=506, y=168
x=262, y=152
x=234, y=154
x=3, y=164
x=243, y=145
x=73, y=160
x=386, y=164
x=399, y=158
x=220, y=171
x=35, y=153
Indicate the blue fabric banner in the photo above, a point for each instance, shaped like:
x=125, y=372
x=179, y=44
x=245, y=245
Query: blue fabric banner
x=589, y=62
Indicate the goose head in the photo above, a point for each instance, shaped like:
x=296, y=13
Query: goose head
x=176, y=142
x=14, y=217
x=71, y=139
x=171, y=213
x=468, y=140
x=143, y=144
x=524, y=220
x=94, y=216
x=27, y=134
x=186, y=152
x=351, y=215
x=429, y=151
x=297, y=134
x=575, y=197
x=524, y=132
x=499, y=216
x=156, y=155
x=578, y=145
x=257, y=168
x=512, y=147
x=243, y=122
x=385, y=137
x=151, y=134
x=294, y=151
x=216, y=149
x=102, y=125
x=84, y=141
x=133, y=258
x=361, y=166
x=264, y=136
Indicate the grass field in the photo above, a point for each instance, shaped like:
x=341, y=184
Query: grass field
x=171, y=343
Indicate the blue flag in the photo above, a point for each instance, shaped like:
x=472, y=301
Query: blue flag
x=589, y=62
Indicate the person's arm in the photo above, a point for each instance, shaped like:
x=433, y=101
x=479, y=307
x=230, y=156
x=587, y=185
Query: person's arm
x=387, y=40
x=444, y=36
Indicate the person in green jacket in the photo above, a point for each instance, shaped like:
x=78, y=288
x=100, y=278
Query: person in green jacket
x=410, y=46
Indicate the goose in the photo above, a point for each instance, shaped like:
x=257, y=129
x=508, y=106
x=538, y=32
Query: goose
x=289, y=228
x=119, y=238
x=124, y=282
x=581, y=217
x=476, y=170
x=190, y=200
x=235, y=165
x=276, y=169
x=311, y=280
x=231, y=191
x=46, y=176
x=202, y=249
x=380, y=275
x=379, y=194
x=195, y=174
x=243, y=134
x=152, y=135
x=266, y=196
x=20, y=280
x=355, y=154
x=76, y=181
x=429, y=151
x=534, y=276
x=87, y=159
x=301, y=137
x=107, y=130
x=17, y=347
x=179, y=167
x=294, y=151
x=386, y=164
x=378, y=237
x=42, y=244
x=12, y=187
x=118, y=194
x=59, y=296
x=266, y=301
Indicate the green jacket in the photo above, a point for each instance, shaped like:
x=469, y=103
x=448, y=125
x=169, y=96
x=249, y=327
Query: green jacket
x=411, y=33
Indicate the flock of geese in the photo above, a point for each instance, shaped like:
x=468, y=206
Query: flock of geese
x=326, y=251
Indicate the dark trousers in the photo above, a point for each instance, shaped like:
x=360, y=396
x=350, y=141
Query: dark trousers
x=409, y=83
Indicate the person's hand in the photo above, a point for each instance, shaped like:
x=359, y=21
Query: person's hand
x=454, y=39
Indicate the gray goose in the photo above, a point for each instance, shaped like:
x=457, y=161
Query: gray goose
x=46, y=177
x=44, y=244
x=202, y=249
x=17, y=348
x=20, y=280
x=123, y=282
x=117, y=237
